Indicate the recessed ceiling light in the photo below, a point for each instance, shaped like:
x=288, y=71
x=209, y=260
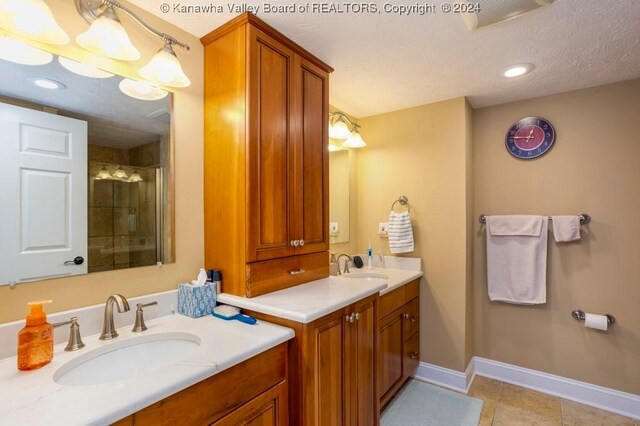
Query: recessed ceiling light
x=47, y=83
x=518, y=70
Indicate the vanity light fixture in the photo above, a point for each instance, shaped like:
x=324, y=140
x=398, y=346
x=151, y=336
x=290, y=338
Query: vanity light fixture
x=339, y=129
x=354, y=141
x=334, y=148
x=120, y=173
x=19, y=52
x=103, y=174
x=31, y=19
x=164, y=69
x=518, y=70
x=107, y=37
x=85, y=70
x=141, y=90
x=135, y=176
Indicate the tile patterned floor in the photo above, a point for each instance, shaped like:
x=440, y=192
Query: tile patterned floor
x=509, y=405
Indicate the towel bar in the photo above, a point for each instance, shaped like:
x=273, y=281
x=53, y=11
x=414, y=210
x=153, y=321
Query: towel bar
x=404, y=201
x=584, y=218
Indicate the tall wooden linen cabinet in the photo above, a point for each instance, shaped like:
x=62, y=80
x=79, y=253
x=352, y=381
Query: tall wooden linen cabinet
x=266, y=159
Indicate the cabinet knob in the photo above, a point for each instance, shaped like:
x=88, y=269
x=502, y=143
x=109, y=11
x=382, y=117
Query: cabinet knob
x=414, y=318
x=413, y=355
x=295, y=243
x=350, y=318
x=357, y=316
x=301, y=243
x=405, y=316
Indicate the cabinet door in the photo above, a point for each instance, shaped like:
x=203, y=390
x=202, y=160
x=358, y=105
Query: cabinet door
x=269, y=154
x=329, y=373
x=390, y=352
x=310, y=191
x=267, y=409
x=361, y=407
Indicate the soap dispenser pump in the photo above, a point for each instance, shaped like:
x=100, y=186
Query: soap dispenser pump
x=35, y=340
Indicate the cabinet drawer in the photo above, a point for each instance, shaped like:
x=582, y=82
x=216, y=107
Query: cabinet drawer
x=390, y=302
x=411, y=356
x=215, y=397
x=411, y=318
x=273, y=275
x=412, y=290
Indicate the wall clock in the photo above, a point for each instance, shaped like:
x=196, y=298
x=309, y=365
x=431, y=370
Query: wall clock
x=530, y=138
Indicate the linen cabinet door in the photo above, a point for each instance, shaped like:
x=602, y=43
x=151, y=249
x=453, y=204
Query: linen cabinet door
x=365, y=360
x=329, y=374
x=310, y=192
x=269, y=151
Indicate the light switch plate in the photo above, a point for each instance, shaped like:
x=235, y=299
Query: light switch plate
x=383, y=229
x=333, y=228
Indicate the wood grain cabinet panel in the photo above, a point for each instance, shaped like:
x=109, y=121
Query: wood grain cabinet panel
x=266, y=156
x=399, y=339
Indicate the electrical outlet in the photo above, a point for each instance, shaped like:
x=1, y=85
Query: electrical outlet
x=333, y=228
x=383, y=229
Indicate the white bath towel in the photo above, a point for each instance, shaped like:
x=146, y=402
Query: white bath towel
x=517, y=259
x=400, y=233
x=566, y=228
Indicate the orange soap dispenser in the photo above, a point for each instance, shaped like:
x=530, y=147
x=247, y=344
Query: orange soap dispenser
x=35, y=340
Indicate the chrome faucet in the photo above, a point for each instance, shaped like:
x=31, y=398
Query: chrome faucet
x=108, y=328
x=346, y=263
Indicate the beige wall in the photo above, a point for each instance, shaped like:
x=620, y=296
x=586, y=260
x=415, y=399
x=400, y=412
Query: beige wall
x=94, y=288
x=423, y=153
x=339, y=194
x=351, y=246
x=592, y=168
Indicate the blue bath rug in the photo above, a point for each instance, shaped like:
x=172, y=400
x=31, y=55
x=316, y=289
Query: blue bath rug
x=421, y=404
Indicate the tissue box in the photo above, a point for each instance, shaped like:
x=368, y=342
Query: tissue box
x=196, y=301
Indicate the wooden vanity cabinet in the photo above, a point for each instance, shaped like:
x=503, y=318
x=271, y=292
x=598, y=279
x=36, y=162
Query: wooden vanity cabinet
x=399, y=339
x=332, y=367
x=266, y=159
x=253, y=392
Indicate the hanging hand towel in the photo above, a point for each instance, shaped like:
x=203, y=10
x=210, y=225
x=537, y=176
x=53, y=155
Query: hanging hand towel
x=517, y=259
x=400, y=233
x=566, y=228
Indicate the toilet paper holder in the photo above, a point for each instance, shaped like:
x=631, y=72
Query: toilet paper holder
x=579, y=315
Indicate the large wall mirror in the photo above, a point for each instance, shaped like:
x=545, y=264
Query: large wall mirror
x=339, y=189
x=84, y=171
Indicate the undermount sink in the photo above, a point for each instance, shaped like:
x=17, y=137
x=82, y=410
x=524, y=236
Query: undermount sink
x=366, y=276
x=127, y=358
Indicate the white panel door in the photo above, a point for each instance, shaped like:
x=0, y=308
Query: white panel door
x=43, y=195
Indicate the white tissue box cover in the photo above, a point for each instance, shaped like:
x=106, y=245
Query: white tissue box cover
x=196, y=301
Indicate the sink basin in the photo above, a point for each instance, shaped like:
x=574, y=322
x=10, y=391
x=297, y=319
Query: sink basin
x=367, y=276
x=127, y=358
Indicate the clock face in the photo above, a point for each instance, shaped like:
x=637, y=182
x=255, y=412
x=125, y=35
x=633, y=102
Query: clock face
x=530, y=138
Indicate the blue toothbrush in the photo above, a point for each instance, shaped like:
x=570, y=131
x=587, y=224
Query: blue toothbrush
x=228, y=313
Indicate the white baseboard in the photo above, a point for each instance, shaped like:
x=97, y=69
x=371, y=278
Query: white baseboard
x=444, y=377
x=622, y=403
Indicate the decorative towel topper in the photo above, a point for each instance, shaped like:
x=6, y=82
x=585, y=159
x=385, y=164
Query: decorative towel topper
x=403, y=200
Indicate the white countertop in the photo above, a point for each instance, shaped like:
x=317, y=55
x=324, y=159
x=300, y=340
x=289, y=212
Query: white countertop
x=33, y=398
x=310, y=301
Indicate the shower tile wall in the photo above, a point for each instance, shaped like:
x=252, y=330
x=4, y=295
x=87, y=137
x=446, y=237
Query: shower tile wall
x=121, y=215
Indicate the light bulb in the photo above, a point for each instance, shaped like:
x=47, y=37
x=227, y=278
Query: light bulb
x=107, y=37
x=164, y=69
x=31, y=19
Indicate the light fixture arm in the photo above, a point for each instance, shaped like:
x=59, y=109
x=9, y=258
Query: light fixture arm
x=90, y=10
x=340, y=116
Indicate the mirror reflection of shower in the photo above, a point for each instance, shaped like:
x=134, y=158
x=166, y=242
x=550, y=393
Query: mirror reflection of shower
x=124, y=203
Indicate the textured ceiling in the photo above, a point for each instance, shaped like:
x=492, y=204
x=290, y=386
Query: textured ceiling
x=385, y=62
x=114, y=119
